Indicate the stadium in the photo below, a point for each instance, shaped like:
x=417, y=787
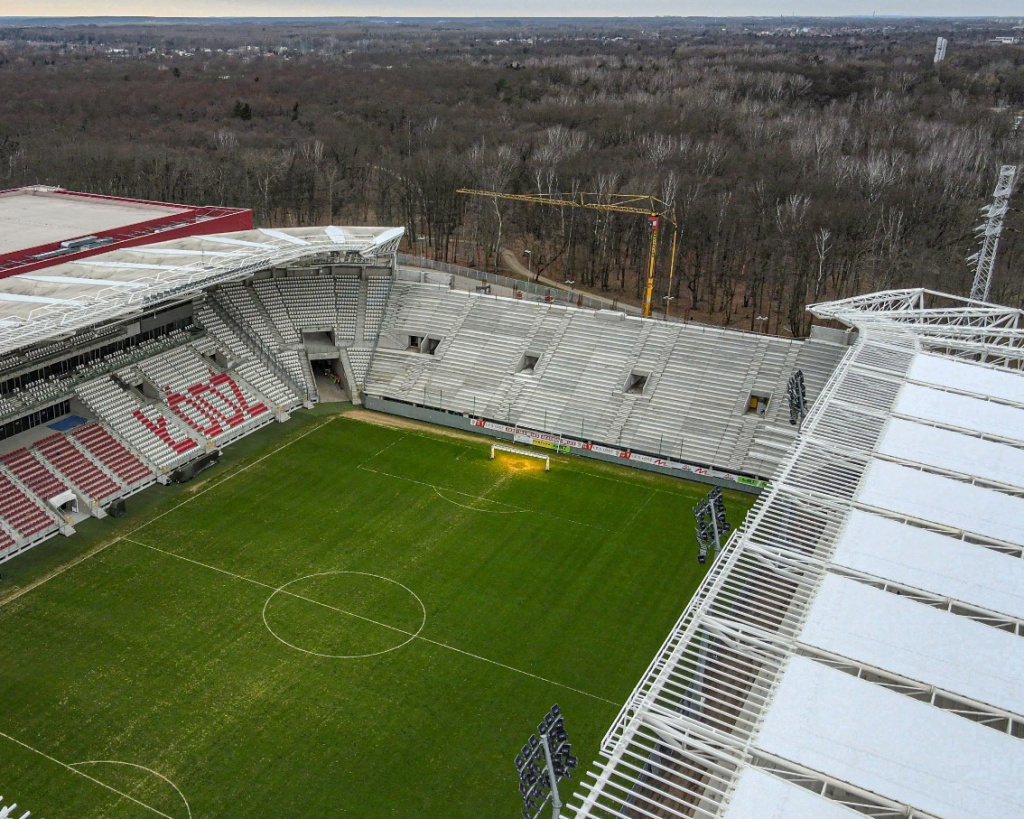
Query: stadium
x=273, y=539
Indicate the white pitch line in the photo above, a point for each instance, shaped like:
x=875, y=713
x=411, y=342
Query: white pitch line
x=409, y=639
x=376, y=623
x=141, y=768
x=119, y=538
x=636, y=512
x=437, y=488
x=483, y=498
x=230, y=475
x=475, y=508
x=74, y=770
x=382, y=450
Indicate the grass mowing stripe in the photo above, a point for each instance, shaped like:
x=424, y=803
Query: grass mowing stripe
x=414, y=635
x=102, y=784
x=155, y=518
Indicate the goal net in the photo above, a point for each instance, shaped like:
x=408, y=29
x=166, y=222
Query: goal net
x=495, y=448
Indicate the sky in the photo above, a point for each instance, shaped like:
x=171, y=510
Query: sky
x=504, y=8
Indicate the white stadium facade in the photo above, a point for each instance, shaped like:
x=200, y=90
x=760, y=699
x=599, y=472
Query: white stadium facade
x=856, y=648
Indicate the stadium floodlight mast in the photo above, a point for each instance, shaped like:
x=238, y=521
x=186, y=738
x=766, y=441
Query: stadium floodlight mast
x=712, y=525
x=545, y=759
x=990, y=232
x=796, y=392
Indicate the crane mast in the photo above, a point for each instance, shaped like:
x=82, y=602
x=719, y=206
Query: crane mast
x=640, y=205
x=990, y=233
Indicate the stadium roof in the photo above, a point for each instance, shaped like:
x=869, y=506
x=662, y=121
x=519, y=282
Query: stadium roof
x=856, y=649
x=42, y=226
x=48, y=304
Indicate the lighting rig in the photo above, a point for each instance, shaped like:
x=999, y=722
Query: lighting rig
x=712, y=525
x=796, y=392
x=545, y=759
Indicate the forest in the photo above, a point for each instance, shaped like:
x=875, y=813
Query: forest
x=800, y=160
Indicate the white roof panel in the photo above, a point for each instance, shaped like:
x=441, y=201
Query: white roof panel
x=759, y=795
x=953, y=452
x=926, y=644
x=30, y=218
x=965, y=412
x=1005, y=385
x=932, y=562
x=82, y=293
x=890, y=744
x=944, y=501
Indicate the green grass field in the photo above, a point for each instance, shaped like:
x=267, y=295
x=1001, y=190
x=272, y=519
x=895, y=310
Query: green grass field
x=341, y=619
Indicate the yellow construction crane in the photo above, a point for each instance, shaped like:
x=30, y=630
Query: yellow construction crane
x=654, y=209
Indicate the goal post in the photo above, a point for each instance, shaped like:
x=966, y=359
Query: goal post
x=524, y=452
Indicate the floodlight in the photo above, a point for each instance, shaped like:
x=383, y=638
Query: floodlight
x=796, y=392
x=543, y=761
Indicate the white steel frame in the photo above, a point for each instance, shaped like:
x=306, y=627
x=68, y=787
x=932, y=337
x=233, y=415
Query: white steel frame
x=276, y=248
x=502, y=448
x=688, y=729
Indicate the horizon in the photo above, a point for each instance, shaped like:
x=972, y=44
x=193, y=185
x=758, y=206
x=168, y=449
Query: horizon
x=185, y=10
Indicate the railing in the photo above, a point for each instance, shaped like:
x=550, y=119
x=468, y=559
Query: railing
x=543, y=292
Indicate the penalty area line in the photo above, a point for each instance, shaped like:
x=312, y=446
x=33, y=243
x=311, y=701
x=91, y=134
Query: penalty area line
x=439, y=489
x=102, y=784
x=414, y=635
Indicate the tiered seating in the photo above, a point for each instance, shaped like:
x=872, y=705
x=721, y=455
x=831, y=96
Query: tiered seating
x=156, y=423
x=213, y=405
x=377, y=289
x=271, y=299
x=359, y=359
x=6, y=541
x=244, y=306
x=109, y=451
x=300, y=374
x=52, y=388
x=309, y=301
x=697, y=379
x=37, y=477
x=82, y=472
x=21, y=513
x=257, y=374
x=143, y=426
x=347, y=297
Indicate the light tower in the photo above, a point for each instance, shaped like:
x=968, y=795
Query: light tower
x=990, y=233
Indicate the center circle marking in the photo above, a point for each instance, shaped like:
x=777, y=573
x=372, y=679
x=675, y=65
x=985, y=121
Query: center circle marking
x=409, y=639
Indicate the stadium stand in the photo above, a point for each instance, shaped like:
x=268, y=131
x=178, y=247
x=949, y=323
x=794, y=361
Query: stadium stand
x=21, y=513
x=86, y=476
x=213, y=404
x=112, y=454
x=377, y=290
x=270, y=297
x=359, y=361
x=6, y=539
x=158, y=439
x=31, y=472
x=309, y=301
x=347, y=300
x=681, y=390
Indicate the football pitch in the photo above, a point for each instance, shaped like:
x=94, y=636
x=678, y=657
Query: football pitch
x=341, y=619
